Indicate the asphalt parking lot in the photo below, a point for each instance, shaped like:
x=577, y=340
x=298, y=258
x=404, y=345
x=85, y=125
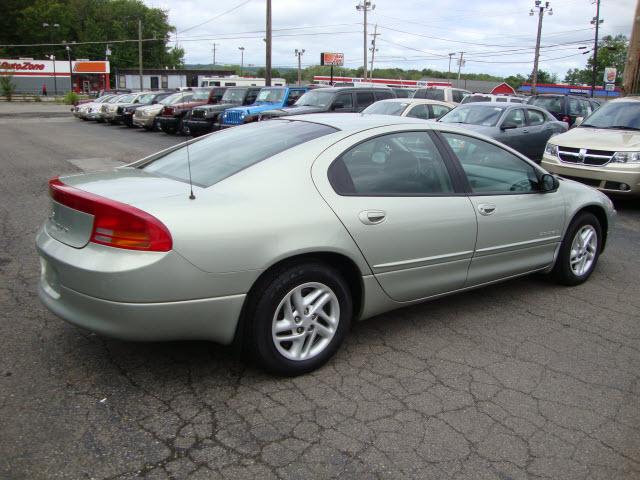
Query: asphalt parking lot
x=519, y=380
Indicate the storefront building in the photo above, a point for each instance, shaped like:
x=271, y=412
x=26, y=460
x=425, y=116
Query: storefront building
x=56, y=76
x=153, y=79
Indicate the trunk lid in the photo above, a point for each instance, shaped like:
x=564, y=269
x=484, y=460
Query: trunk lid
x=128, y=186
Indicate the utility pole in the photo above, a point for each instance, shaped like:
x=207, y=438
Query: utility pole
x=631, y=71
x=267, y=75
x=241, y=59
x=365, y=6
x=299, y=54
x=451, y=55
x=596, y=20
x=214, y=53
x=373, y=48
x=460, y=63
x=140, y=52
x=541, y=9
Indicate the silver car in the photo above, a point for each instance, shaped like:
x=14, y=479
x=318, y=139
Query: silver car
x=524, y=128
x=280, y=234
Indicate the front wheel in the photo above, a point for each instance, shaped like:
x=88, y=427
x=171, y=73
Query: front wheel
x=579, y=250
x=298, y=317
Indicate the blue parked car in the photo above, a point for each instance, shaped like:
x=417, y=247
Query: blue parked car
x=268, y=99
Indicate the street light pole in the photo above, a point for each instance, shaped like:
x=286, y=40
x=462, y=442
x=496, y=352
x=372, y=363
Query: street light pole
x=449, y=72
x=267, y=79
x=241, y=59
x=596, y=20
x=365, y=6
x=299, y=54
x=373, y=48
x=68, y=49
x=541, y=9
x=53, y=55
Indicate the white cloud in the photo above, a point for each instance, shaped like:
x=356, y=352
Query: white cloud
x=496, y=32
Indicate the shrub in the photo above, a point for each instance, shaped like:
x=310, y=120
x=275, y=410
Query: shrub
x=7, y=86
x=71, y=98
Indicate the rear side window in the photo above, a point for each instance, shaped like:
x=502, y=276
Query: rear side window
x=419, y=111
x=225, y=153
x=535, y=117
x=294, y=95
x=430, y=93
x=457, y=95
x=439, y=110
x=398, y=164
x=384, y=95
x=552, y=104
x=344, y=102
x=364, y=99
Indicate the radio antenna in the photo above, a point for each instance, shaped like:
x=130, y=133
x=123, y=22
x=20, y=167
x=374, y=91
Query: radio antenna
x=191, y=195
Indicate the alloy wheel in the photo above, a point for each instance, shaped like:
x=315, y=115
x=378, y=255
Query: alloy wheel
x=583, y=250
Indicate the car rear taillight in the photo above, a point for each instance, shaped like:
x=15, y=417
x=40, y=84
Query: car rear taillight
x=115, y=224
x=167, y=111
x=566, y=118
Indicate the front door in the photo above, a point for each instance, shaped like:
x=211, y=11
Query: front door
x=397, y=198
x=519, y=228
x=154, y=82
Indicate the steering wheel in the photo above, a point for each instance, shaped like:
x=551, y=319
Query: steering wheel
x=521, y=186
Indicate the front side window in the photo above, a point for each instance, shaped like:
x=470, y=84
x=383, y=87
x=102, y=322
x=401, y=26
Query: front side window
x=344, y=101
x=200, y=95
x=234, y=95
x=294, y=95
x=315, y=98
x=219, y=156
x=419, y=111
x=490, y=169
x=398, y=164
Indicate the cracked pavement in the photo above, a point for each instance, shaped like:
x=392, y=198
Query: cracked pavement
x=519, y=380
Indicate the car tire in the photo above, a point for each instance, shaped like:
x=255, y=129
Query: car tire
x=316, y=338
x=579, y=251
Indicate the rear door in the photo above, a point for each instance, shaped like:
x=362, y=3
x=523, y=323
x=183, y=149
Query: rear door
x=519, y=228
x=540, y=130
x=403, y=204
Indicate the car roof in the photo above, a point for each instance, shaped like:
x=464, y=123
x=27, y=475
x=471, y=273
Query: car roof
x=427, y=101
x=356, y=121
x=351, y=89
x=630, y=98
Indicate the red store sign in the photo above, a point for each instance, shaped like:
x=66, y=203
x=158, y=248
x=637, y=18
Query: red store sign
x=21, y=66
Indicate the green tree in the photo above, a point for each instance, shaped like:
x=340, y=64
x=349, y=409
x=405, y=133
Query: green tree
x=91, y=21
x=7, y=87
x=612, y=52
x=515, y=81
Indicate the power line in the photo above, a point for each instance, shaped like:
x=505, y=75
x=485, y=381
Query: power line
x=216, y=17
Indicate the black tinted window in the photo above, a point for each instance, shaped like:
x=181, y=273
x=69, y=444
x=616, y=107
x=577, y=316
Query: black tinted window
x=384, y=95
x=406, y=163
x=225, y=153
x=364, y=99
x=457, y=95
x=430, y=93
x=419, y=111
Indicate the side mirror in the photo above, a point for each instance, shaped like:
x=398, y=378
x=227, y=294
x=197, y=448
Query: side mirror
x=578, y=121
x=548, y=183
x=337, y=106
x=508, y=126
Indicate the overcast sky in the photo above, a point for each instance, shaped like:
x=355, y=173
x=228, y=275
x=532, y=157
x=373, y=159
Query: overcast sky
x=497, y=36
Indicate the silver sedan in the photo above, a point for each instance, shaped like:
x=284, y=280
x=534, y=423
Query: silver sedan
x=278, y=235
x=522, y=127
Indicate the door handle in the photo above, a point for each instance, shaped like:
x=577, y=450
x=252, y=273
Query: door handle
x=525, y=131
x=486, y=209
x=372, y=217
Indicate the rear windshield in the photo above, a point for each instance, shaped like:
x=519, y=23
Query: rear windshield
x=477, y=98
x=552, y=104
x=430, y=93
x=386, y=108
x=227, y=152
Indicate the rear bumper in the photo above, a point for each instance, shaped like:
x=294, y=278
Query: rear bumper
x=212, y=319
x=168, y=122
x=609, y=178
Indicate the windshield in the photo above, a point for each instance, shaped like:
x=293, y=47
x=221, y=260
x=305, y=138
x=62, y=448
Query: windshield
x=485, y=115
x=225, y=153
x=386, y=108
x=270, y=95
x=147, y=98
x=103, y=99
x=620, y=115
x=315, y=99
x=234, y=95
x=551, y=104
x=126, y=99
x=114, y=99
x=200, y=95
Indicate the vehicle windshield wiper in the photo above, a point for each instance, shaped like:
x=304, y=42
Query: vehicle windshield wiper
x=588, y=125
x=621, y=127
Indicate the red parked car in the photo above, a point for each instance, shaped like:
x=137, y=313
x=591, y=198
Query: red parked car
x=170, y=117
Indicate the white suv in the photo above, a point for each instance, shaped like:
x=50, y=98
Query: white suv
x=443, y=94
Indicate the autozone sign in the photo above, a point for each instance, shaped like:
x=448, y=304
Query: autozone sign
x=21, y=65
x=332, y=58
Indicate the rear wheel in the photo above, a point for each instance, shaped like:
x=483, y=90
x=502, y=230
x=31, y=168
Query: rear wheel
x=298, y=317
x=579, y=250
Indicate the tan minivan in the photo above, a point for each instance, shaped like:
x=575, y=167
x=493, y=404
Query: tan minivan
x=603, y=151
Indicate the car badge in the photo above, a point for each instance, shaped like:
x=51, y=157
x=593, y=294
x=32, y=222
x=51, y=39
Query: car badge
x=582, y=154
